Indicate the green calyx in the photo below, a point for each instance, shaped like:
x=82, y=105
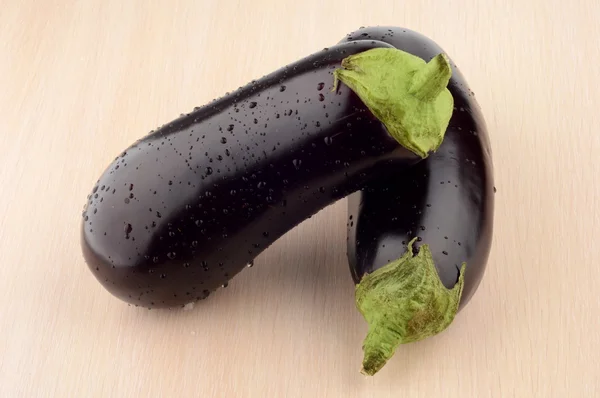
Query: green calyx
x=403, y=302
x=409, y=96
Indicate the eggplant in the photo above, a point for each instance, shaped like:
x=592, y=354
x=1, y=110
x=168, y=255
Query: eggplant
x=184, y=209
x=419, y=238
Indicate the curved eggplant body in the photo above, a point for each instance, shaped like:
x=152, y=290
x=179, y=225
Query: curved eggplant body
x=184, y=209
x=446, y=201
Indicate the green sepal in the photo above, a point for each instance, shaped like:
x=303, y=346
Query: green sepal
x=403, y=302
x=409, y=96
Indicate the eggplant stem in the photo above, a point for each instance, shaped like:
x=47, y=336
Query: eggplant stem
x=406, y=94
x=428, y=82
x=403, y=302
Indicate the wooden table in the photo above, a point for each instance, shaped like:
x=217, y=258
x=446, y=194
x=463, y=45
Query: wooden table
x=81, y=80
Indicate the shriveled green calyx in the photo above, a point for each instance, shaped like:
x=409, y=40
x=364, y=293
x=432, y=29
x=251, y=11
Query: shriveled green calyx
x=409, y=96
x=403, y=302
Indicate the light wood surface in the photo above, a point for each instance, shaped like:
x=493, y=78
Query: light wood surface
x=81, y=80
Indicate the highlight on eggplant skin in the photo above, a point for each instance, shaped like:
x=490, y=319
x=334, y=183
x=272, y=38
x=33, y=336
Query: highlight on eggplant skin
x=446, y=201
x=184, y=209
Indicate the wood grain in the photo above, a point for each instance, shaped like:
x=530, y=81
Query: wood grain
x=81, y=80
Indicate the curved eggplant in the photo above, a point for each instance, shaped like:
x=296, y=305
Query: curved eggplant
x=184, y=209
x=429, y=221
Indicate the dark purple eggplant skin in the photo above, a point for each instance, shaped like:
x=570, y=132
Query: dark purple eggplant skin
x=187, y=207
x=446, y=201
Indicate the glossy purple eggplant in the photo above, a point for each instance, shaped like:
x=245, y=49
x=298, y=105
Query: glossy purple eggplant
x=446, y=201
x=184, y=209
